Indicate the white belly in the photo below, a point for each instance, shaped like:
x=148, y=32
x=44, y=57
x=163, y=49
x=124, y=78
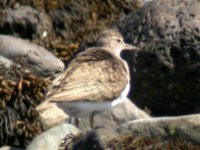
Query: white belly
x=85, y=108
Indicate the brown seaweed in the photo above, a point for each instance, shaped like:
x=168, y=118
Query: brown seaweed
x=20, y=92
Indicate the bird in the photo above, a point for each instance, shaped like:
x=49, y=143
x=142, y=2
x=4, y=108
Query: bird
x=96, y=80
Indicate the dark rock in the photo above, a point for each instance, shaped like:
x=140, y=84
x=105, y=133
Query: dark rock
x=24, y=21
x=89, y=141
x=74, y=22
x=59, y=25
x=166, y=76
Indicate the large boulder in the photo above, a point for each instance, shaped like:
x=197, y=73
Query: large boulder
x=186, y=127
x=166, y=76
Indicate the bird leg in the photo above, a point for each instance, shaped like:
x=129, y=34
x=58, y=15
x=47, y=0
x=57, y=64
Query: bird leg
x=74, y=121
x=92, y=119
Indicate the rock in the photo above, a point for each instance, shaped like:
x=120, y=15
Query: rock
x=86, y=141
x=10, y=148
x=166, y=76
x=72, y=20
x=122, y=113
x=25, y=21
x=186, y=127
x=51, y=139
x=4, y=61
x=142, y=2
x=38, y=59
x=105, y=122
x=53, y=116
x=146, y=1
x=153, y=133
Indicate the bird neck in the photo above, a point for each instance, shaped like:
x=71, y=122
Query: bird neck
x=114, y=53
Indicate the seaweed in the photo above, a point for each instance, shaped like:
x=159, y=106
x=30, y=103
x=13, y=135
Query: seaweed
x=20, y=93
x=133, y=142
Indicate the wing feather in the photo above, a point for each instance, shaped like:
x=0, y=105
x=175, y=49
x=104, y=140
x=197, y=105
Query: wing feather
x=93, y=75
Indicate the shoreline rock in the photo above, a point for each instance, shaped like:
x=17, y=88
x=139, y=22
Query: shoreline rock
x=37, y=58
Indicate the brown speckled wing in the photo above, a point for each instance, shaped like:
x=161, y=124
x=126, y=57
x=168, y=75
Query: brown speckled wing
x=94, y=75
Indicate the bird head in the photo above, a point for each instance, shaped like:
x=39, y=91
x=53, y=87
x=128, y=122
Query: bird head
x=113, y=42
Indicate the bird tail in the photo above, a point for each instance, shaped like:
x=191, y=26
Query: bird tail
x=43, y=106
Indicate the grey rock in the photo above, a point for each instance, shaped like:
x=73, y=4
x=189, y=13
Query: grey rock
x=51, y=139
x=106, y=121
x=53, y=116
x=142, y=2
x=146, y=1
x=122, y=113
x=4, y=61
x=186, y=127
x=166, y=76
x=24, y=21
x=38, y=59
x=167, y=129
x=10, y=148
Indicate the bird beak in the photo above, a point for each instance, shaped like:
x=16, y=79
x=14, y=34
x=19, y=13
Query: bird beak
x=131, y=47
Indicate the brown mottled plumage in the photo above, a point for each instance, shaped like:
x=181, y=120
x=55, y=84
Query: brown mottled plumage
x=93, y=80
x=95, y=75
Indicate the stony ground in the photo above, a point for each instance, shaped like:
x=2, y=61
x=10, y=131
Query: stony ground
x=62, y=27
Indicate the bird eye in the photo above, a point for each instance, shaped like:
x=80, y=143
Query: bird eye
x=119, y=40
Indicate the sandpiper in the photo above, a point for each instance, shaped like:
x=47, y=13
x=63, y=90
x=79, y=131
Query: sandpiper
x=94, y=81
